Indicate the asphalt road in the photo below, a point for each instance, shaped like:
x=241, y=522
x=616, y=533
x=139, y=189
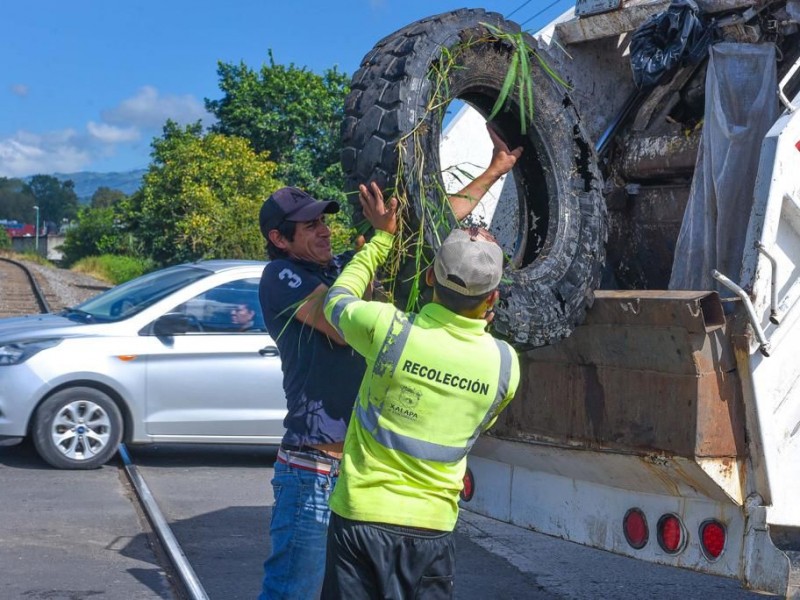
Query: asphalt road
x=77, y=535
x=71, y=535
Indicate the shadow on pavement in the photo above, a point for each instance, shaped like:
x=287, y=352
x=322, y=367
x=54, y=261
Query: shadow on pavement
x=203, y=455
x=22, y=456
x=227, y=548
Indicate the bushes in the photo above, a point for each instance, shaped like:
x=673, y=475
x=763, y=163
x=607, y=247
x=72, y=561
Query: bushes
x=5, y=240
x=113, y=268
x=98, y=231
x=35, y=257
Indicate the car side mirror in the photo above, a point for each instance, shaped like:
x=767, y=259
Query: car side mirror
x=174, y=323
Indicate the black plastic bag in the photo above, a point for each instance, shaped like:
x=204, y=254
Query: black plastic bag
x=666, y=41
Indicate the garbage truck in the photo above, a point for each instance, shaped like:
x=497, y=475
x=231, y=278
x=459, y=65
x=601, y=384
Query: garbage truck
x=652, y=229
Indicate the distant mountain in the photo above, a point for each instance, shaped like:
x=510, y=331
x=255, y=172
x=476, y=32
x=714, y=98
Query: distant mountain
x=87, y=182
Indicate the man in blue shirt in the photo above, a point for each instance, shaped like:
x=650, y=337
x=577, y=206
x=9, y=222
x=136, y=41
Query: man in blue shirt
x=321, y=374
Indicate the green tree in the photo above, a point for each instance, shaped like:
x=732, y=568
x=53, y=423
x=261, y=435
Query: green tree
x=200, y=197
x=292, y=113
x=56, y=200
x=105, y=197
x=98, y=231
x=5, y=240
x=16, y=201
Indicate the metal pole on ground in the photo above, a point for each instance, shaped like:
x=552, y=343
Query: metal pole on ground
x=188, y=577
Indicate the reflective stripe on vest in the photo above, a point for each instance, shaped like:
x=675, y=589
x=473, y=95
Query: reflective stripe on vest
x=393, y=344
x=420, y=449
x=346, y=299
x=397, y=441
x=503, y=382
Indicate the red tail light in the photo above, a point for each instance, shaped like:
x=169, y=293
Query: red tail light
x=712, y=538
x=634, y=525
x=671, y=534
x=469, y=486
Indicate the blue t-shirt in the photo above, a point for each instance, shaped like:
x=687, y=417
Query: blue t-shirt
x=320, y=378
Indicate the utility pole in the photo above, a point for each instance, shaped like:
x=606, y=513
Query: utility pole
x=36, y=208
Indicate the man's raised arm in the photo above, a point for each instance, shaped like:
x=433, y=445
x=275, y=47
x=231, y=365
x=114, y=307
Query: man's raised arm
x=503, y=160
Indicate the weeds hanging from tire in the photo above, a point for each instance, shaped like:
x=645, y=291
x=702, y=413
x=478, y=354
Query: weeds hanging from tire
x=391, y=135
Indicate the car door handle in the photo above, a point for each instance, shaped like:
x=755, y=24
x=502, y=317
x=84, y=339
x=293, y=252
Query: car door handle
x=269, y=351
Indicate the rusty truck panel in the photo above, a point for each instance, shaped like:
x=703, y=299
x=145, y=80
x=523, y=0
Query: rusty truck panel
x=649, y=371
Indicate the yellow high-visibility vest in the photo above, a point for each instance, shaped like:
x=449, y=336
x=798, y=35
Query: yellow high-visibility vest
x=434, y=381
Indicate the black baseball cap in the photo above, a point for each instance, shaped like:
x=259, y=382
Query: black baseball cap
x=292, y=204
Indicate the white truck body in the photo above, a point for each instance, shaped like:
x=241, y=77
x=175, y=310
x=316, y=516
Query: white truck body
x=681, y=403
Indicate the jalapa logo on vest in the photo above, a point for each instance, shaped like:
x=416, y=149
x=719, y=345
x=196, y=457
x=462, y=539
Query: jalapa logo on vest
x=407, y=403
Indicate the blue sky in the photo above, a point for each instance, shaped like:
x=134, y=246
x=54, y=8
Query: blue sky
x=86, y=85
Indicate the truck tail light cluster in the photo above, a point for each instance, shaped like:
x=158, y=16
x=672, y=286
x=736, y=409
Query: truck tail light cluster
x=712, y=538
x=672, y=535
x=634, y=526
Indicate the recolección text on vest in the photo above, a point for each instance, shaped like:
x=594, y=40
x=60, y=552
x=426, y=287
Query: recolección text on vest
x=436, y=375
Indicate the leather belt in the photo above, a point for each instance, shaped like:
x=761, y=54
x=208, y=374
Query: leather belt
x=316, y=462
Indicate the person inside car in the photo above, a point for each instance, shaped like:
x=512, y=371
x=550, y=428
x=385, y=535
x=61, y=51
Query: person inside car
x=243, y=316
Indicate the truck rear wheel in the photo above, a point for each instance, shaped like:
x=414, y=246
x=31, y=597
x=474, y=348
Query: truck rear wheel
x=558, y=245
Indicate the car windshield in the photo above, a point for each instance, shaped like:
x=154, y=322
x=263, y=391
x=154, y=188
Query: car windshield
x=129, y=298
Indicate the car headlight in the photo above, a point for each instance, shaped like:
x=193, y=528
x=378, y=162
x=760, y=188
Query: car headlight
x=14, y=353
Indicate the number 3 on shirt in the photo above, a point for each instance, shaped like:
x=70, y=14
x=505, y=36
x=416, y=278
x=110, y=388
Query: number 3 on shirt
x=294, y=278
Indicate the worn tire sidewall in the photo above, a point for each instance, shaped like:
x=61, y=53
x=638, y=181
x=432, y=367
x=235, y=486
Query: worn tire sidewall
x=546, y=298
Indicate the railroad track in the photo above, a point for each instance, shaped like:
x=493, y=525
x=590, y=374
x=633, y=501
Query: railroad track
x=21, y=294
x=179, y=569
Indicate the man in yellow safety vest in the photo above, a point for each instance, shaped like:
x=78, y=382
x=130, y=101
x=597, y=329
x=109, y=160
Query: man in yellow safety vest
x=434, y=381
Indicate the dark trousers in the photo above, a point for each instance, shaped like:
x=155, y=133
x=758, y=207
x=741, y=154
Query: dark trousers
x=374, y=560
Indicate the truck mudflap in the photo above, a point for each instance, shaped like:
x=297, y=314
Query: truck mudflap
x=630, y=436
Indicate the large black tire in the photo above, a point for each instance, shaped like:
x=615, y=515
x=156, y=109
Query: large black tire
x=77, y=428
x=559, y=243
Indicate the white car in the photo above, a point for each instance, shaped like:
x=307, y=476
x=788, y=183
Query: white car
x=161, y=358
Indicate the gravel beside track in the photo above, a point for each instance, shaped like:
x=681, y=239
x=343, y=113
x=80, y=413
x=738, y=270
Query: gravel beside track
x=61, y=287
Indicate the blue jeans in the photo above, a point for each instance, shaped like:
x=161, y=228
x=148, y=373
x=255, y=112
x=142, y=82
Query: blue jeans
x=298, y=532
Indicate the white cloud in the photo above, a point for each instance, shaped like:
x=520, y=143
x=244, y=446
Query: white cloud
x=120, y=128
x=28, y=153
x=20, y=89
x=150, y=110
x=111, y=134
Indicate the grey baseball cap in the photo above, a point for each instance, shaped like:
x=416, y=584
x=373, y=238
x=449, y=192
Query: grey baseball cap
x=468, y=263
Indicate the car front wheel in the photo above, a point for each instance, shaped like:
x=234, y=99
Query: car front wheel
x=77, y=428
